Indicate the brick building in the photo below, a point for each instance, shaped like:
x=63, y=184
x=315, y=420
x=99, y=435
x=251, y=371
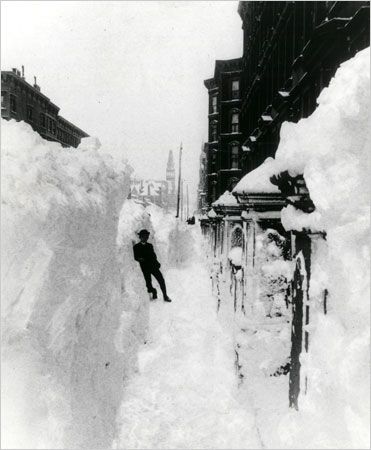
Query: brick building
x=223, y=149
x=23, y=101
x=291, y=50
x=202, y=184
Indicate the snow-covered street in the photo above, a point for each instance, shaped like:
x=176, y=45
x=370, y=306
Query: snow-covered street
x=262, y=338
x=184, y=394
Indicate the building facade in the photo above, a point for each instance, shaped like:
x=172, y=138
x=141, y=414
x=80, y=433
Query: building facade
x=159, y=192
x=171, y=193
x=202, y=184
x=22, y=101
x=223, y=149
x=291, y=50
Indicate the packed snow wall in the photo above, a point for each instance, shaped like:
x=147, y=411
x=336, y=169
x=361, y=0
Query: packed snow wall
x=330, y=148
x=74, y=310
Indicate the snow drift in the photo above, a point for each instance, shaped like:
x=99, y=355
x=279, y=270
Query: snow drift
x=68, y=314
x=330, y=148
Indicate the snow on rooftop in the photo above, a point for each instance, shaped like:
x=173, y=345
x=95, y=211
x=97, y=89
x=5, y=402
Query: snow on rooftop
x=149, y=187
x=258, y=181
x=211, y=214
x=226, y=199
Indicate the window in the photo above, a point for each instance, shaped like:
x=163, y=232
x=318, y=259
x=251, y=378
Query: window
x=235, y=122
x=13, y=103
x=29, y=112
x=235, y=89
x=214, y=130
x=213, y=161
x=234, y=156
x=214, y=104
x=42, y=120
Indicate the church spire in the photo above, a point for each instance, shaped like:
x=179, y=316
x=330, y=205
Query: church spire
x=170, y=162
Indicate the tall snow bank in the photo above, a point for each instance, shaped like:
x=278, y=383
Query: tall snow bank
x=331, y=149
x=63, y=292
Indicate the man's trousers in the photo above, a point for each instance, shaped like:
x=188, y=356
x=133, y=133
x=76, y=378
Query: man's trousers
x=148, y=272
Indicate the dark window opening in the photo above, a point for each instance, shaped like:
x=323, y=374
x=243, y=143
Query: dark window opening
x=235, y=122
x=42, y=120
x=234, y=156
x=3, y=95
x=214, y=131
x=13, y=103
x=29, y=112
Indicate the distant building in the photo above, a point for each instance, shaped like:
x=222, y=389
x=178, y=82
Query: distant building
x=22, y=101
x=223, y=149
x=202, y=206
x=149, y=191
x=159, y=192
x=171, y=194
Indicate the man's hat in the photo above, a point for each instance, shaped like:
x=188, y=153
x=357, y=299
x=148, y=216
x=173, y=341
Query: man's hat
x=144, y=233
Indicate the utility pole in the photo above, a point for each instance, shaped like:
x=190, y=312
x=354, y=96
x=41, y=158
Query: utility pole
x=179, y=178
x=187, y=203
x=181, y=200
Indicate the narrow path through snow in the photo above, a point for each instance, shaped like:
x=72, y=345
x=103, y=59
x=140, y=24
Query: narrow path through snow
x=184, y=395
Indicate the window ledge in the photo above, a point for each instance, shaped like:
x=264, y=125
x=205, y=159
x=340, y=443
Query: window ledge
x=231, y=100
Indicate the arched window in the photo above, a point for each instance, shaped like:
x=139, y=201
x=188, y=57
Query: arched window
x=235, y=121
x=237, y=237
x=214, y=130
x=234, y=155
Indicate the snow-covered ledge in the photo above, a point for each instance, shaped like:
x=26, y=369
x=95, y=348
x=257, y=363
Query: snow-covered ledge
x=256, y=191
x=212, y=215
x=227, y=204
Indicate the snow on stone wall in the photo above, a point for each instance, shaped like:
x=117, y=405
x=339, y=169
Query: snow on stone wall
x=331, y=149
x=67, y=310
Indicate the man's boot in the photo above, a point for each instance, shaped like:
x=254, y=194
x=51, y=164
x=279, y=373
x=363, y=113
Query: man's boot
x=167, y=299
x=154, y=294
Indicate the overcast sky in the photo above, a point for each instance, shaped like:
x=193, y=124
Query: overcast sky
x=130, y=73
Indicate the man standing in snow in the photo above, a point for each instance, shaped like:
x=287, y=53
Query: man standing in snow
x=145, y=255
